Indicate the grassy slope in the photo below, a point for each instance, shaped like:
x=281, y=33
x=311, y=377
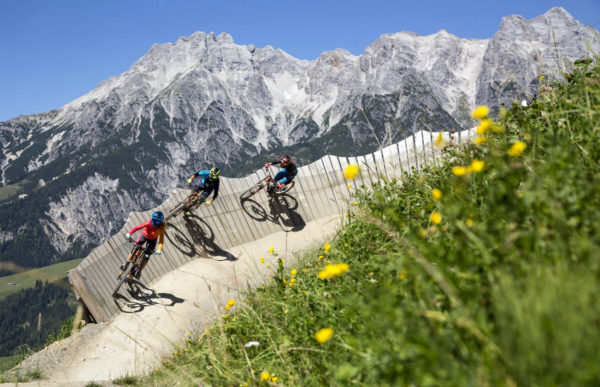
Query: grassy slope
x=27, y=278
x=9, y=191
x=502, y=290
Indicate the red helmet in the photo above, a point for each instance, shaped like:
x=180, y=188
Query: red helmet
x=285, y=160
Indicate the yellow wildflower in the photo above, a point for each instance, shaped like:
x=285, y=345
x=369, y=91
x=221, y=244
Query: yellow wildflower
x=541, y=77
x=356, y=203
x=480, y=112
x=469, y=222
x=484, y=125
x=225, y=316
x=293, y=272
x=326, y=247
x=321, y=256
x=403, y=274
x=437, y=194
x=292, y=282
x=516, y=149
x=459, y=171
x=324, y=335
x=271, y=249
x=349, y=186
x=284, y=282
x=477, y=165
x=230, y=304
x=262, y=259
x=436, y=217
x=274, y=379
x=264, y=376
x=480, y=140
x=333, y=270
x=351, y=171
x=286, y=311
x=502, y=112
x=439, y=141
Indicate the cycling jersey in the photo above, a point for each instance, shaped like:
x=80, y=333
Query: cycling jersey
x=206, y=184
x=291, y=168
x=151, y=233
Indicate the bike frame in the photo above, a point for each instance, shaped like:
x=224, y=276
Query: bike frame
x=133, y=262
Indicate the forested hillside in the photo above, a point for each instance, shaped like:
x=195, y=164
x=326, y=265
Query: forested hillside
x=29, y=316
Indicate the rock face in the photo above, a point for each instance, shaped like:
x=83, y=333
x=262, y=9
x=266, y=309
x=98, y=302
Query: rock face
x=204, y=100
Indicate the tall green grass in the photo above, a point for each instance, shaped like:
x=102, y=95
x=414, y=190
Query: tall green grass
x=494, y=281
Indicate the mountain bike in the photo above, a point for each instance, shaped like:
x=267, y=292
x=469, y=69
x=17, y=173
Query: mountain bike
x=131, y=267
x=270, y=186
x=193, y=201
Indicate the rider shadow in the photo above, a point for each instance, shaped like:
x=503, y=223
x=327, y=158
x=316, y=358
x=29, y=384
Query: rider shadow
x=281, y=211
x=141, y=296
x=202, y=239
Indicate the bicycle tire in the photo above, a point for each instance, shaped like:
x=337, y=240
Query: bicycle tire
x=126, y=271
x=252, y=191
x=178, y=209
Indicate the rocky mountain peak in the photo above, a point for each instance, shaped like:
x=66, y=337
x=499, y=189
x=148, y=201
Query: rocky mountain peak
x=203, y=99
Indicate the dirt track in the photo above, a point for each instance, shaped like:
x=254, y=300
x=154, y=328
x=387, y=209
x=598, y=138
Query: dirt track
x=158, y=316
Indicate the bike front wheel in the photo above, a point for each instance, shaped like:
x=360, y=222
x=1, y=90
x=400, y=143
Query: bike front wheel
x=284, y=189
x=124, y=274
x=249, y=193
x=184, y=205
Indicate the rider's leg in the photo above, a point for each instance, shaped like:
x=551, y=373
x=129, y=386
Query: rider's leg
x=204, y=195
x=150, y=245
x=282, y=177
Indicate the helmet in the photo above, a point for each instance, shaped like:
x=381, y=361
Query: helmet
x=285, y=160
x=157, y=219
x=214, y=173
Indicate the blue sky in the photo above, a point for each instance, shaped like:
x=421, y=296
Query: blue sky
x=52, y=52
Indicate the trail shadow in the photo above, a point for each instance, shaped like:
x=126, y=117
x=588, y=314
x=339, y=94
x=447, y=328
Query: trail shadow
x=139, y=296
x=200, y=241
x=281, y=211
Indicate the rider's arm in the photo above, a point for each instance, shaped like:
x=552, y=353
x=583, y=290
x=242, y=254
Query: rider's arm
x=138, y=227
x=161, y=238
x=204, y=172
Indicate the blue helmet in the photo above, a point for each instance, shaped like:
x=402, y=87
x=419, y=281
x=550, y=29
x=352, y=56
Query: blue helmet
x=157, y=219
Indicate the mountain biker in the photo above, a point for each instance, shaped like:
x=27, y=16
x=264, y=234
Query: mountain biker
x=151, y=231
x=285, y=175
x=209, y=181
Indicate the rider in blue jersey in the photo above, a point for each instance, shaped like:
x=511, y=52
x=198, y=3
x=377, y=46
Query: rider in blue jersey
x=208, y=182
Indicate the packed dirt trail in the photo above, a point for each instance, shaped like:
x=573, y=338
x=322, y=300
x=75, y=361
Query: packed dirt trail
x=157, y=316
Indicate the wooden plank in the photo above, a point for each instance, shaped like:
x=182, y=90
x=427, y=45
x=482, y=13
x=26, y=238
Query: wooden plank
x=87, y=296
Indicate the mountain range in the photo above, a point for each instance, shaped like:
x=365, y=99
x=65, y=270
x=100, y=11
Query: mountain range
x=69, y=177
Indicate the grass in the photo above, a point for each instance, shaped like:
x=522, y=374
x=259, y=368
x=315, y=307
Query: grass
x=9, y=362
x=494, y=279
x=26, y=279
x=9, y=191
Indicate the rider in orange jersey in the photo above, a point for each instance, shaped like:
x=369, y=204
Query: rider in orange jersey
x=151, y=231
